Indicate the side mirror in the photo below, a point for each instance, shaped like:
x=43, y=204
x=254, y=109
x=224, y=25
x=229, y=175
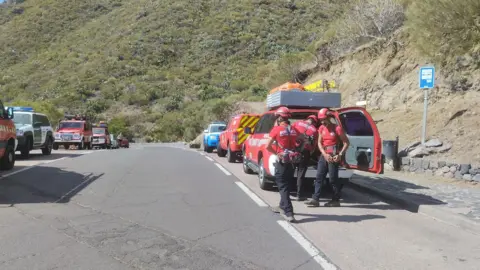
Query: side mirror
x=247, y=130
x=10, y=113
x=205, y=131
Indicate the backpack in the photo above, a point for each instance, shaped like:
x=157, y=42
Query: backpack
x=292, y=156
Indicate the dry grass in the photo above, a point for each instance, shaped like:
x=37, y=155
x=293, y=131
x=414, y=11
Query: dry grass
x=387, y=78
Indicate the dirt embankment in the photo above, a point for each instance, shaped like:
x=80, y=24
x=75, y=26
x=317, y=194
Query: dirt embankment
x=386, y=76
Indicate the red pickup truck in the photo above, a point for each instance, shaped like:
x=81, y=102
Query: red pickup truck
x=232, y=139
x=364, y=152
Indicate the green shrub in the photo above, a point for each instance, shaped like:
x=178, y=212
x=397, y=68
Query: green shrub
x=444, y=29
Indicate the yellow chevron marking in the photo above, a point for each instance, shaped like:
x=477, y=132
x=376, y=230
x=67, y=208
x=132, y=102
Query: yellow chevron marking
x=247, y=121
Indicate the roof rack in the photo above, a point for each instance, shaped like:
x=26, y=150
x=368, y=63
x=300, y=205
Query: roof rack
x=303, y=100
x=101, y=124
x=21, y=109
x=77, y=117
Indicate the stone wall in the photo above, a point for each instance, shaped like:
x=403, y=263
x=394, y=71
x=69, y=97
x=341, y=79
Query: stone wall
x=468, y=172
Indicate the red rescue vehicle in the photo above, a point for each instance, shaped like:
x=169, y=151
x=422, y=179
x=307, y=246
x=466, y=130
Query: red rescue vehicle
x=101, y=136
x=73, y=130
x=232, y=139
x=364, y=152
x=8, y=138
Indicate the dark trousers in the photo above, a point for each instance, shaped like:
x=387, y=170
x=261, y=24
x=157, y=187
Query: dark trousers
x=283, y=176
x=302, y=170
x=324, y=167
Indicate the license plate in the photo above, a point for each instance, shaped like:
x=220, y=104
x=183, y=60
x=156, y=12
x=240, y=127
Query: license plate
x=67, y=138
x=95, y=140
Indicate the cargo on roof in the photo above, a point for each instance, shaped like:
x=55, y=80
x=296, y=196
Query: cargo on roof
x=293, y=95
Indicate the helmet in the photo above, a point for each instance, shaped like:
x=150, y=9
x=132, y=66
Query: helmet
x=313, y=117
x=284, y=112
x=323, y=113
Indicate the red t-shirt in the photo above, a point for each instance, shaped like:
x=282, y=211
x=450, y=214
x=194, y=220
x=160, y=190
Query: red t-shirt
x=283, y=137
x=302, y=127
x=330, y=136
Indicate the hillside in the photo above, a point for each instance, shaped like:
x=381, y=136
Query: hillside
x=162, y=69
x=167, y=63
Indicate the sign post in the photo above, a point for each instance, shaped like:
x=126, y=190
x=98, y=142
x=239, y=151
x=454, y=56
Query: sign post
x=427, y=81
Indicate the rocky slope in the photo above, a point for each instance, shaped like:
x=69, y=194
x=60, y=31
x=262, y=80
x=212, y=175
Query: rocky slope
x=385, y=74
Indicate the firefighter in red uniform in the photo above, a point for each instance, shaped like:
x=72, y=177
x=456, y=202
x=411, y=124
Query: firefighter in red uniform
x=307, y=138
x=283, y=143
x=329, y=138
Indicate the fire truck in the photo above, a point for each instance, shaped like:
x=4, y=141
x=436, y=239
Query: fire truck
x=101, y=136
x=73, y=130
x=364, y=152
x=8, y=138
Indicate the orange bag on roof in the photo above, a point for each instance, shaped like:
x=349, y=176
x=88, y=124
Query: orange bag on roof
x=288, y=86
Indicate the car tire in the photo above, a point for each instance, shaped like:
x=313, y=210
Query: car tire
x=55, y=146
x=7, y=162
x=246, y=169
x=262, y=177
x=220, y=151
x=47, y=150
x=81, y=145
x=230, y=156
x=25, y=150
x=209, y=149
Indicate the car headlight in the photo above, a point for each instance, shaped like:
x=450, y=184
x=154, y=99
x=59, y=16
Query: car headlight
x=19, y=132
x=77, y=136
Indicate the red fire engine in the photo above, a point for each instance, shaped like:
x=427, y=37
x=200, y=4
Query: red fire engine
x=101, y=136
x=73, y=130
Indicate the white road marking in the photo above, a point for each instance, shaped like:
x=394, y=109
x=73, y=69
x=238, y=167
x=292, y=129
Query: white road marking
x=50, y=161
x=203, y=154
x=307, y=245
x=209, y=158
x=222, y=169
x=252, y=195
x=73, y=189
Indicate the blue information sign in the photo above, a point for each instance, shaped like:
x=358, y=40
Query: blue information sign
x=427, y=77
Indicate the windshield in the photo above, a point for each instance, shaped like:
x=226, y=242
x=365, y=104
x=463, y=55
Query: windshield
x=22, y=118
x=70, y=125
x=99, y=131
x=217, y=128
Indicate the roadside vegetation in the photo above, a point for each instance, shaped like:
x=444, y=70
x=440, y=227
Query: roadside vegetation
x=163, y=69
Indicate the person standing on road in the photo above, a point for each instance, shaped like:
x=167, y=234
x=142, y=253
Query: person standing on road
x=307, y=138
x=282, y=143
x=329, y=138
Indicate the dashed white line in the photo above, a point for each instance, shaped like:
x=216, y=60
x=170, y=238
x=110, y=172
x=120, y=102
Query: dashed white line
x=305, y=244
x=209, y=158
x=222, y=169
x=50, y=161
x=252, y=195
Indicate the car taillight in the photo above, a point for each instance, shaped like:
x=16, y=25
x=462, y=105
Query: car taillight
x=235, y=137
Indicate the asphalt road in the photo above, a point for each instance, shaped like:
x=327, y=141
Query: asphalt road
x=139, y=208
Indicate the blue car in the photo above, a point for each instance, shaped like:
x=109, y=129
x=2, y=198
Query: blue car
x=211, y=135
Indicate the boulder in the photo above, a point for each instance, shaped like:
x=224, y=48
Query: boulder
x=453, y=169
x=464, y=168
x=449, y=175
x=419, y=152
x=458, y=175
x=433, y=164
x=467, y=177
x=445, y=169
x=476, y=178
x=444, y=148
x=433, y=143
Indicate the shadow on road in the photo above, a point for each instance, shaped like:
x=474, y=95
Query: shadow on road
x=337, y=218
x=43, y=184
x=53, y=156
x=396, y=191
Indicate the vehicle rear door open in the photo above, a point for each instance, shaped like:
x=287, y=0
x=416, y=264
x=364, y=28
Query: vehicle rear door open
x=365, y=150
